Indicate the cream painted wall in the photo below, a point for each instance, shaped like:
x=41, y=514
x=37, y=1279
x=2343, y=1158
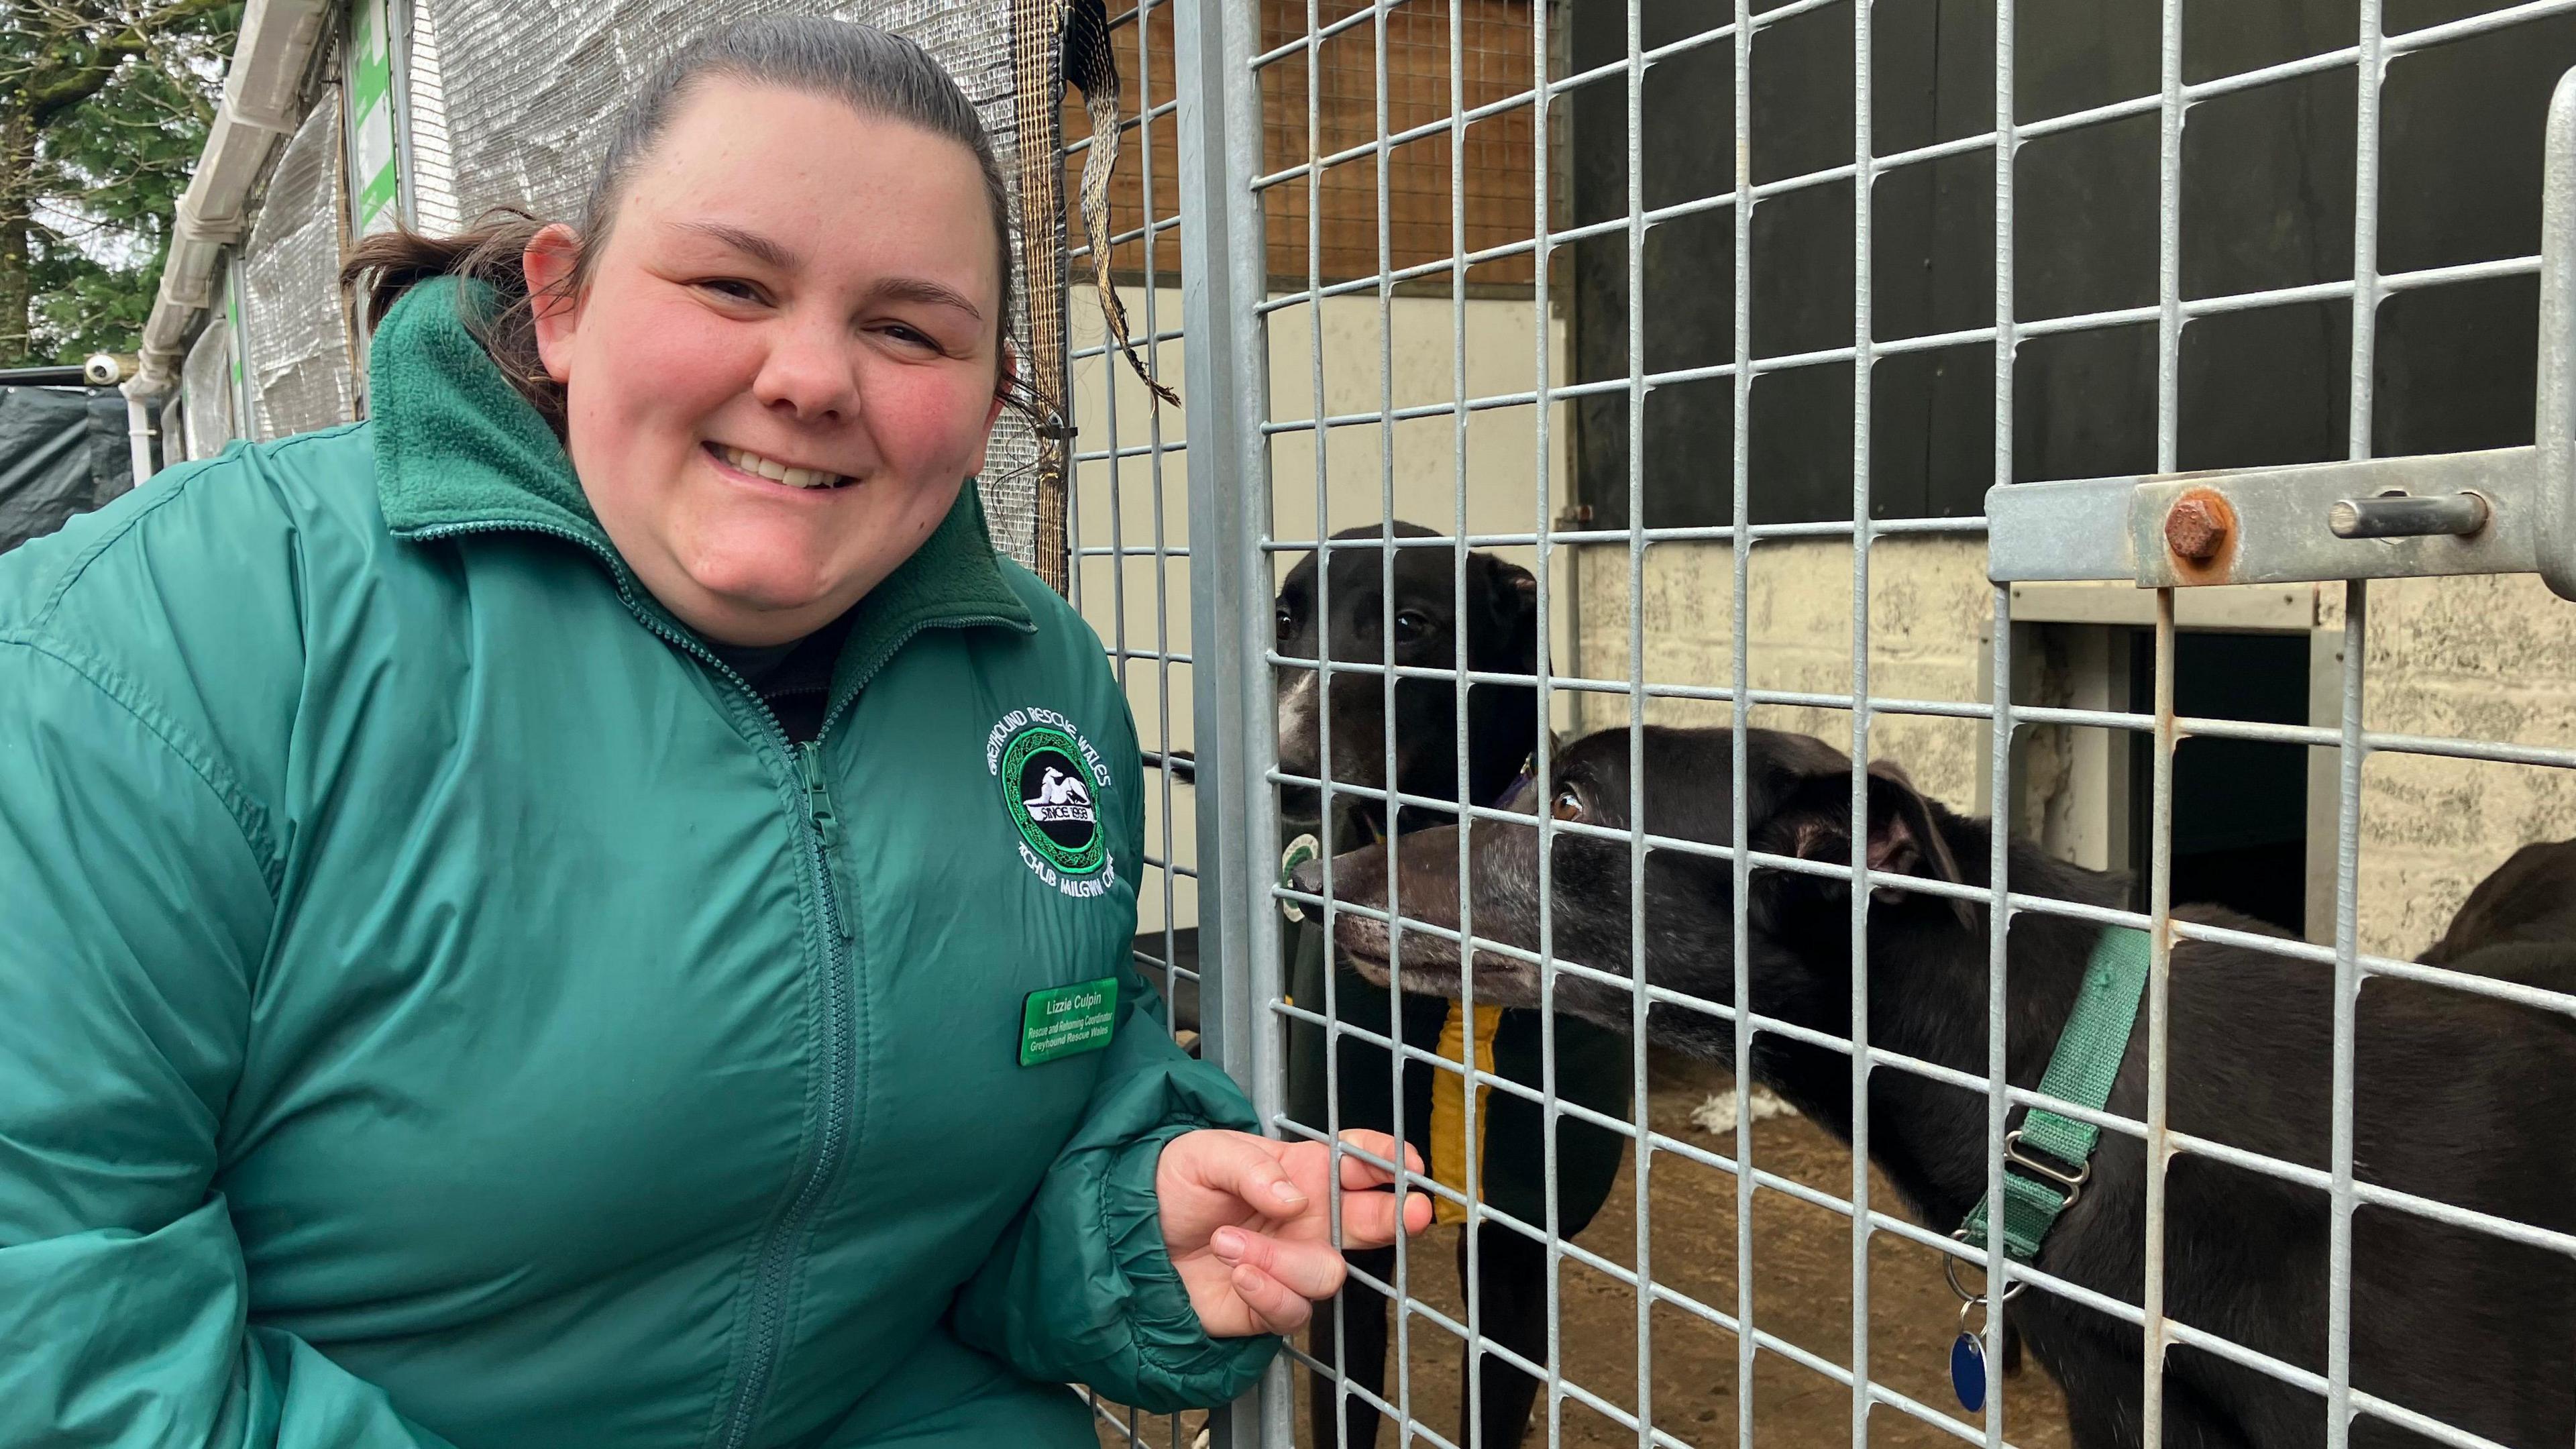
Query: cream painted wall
x=2486, y=659
x=1141, y=604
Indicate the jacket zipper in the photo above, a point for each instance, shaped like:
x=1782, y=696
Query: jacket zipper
x=777, y=1251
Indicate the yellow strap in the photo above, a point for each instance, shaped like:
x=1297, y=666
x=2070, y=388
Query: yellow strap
x=1449, y=1106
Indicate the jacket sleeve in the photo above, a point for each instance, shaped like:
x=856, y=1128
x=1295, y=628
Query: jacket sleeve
x=135, y=897
x=1080, y=1289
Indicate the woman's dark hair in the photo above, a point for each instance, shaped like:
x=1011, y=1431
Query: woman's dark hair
x=868, y=70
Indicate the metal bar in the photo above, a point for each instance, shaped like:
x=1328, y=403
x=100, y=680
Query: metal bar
x=2159, y=981
x=1863, y=359
x=2554, y=411
x=2370, y=69
x=2169, y=325
x=1224, y=259
x=66, y=375
x=1172, y=872
x=1642, y=1175
x=1473, y=1243
x=1542, y=760
x=2264, y=525
x=1998, y=1279
x=1324, y=691
x=1739, y=827
x=1401, y=1345
x=1713, y=533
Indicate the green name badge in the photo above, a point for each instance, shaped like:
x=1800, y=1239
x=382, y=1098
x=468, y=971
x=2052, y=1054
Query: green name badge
x=1068, y=1020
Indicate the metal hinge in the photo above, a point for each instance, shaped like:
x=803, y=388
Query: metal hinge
x=2504, y=511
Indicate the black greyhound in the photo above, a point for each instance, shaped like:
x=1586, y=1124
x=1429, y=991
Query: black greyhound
x=1501, y=629
x=2520, y=922
x=1500, y=626
x=2462, y=1100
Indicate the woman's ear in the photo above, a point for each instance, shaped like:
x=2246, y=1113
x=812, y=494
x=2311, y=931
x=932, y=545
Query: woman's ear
x=551, y=258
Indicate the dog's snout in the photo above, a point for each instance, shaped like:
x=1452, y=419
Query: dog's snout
x=1307, y=877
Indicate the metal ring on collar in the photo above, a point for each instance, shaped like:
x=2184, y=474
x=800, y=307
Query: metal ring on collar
x=1950, y=1271
x=2073, y=1182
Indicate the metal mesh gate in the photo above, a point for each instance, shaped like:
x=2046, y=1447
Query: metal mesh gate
x=1371, y=220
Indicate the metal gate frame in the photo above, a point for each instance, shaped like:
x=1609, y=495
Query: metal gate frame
x=1226, y=305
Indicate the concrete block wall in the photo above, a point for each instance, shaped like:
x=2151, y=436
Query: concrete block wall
x=2487, y=659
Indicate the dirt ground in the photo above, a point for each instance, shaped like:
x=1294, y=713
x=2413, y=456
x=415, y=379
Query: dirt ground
x=1801, y=1292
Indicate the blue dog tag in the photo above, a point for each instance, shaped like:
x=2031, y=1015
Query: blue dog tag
x=1968, y=1372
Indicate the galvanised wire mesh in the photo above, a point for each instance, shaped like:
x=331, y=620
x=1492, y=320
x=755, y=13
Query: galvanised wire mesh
x=1127, y=520
x=1858, y=612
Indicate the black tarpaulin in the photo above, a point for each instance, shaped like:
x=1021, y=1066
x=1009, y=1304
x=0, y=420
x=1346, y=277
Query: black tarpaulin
x=63, y=451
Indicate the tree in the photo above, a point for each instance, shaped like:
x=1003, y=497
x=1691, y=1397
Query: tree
x=104, y=106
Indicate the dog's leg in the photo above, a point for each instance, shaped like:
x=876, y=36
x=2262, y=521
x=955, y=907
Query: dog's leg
x=1362, y=1311
x=1511, y=1284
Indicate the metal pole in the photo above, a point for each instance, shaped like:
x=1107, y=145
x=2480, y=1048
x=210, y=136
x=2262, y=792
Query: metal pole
x=1863, y=356
x=2169, y=323
x=2370, y=69
x=69, y=374
x=1999, y=804
x=1739, y=833
x=138, y=436
x=1224, y=263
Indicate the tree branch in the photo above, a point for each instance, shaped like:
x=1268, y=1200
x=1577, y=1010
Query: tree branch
x=83, y=79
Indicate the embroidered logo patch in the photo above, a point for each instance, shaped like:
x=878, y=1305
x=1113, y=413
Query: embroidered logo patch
x=1050, y=778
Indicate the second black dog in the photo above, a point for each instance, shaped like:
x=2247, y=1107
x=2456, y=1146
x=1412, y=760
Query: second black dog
x=2462, y=1100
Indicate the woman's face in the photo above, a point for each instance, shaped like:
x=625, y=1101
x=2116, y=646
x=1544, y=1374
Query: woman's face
x=788, y=287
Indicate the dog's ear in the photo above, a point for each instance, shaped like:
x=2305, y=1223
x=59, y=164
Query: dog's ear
x=1507, y=637
x=1904, y=837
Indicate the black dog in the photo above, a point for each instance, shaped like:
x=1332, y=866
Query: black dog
x=1354, y=1085
x=2467, y=1101
x=1501, y=628
x=2520, y=922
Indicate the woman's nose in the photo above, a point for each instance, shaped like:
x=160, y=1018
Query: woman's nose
x=811, y=374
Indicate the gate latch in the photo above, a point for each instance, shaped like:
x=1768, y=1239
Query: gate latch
x=2502, y=511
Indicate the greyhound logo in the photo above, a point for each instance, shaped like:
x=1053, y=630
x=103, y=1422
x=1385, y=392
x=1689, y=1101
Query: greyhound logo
x=1060, y=797
x=1049, y=776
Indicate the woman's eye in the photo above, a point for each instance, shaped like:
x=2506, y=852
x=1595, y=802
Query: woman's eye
x=733, y=288
x=1410, y=625
x=1568, y=804
x=910, y=337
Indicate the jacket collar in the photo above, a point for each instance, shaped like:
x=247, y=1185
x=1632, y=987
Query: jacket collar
x=459, y=451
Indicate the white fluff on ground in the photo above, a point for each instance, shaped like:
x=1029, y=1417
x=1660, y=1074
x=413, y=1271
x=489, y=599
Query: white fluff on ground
x=1716, y=1116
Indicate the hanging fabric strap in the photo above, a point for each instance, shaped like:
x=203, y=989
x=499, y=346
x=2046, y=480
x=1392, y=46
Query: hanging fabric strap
x=2047, y=1161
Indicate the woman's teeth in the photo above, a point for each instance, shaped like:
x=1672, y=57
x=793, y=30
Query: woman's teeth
x=778, y=472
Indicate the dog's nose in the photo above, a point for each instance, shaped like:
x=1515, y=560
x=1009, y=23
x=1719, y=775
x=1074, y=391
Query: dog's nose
x=1307, y=877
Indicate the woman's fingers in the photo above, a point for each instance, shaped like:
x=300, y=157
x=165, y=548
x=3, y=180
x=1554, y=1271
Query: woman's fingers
x=1368, y=1218
x=1310, y=1270
x=1278, y=1309
x=1247, y=1167
x=1359, y=1172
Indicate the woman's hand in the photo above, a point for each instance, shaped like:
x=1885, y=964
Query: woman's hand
x=1248, y=1223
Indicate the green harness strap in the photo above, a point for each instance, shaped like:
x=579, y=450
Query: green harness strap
x=2085, y=1064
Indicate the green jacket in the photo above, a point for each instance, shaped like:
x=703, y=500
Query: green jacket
x=439, y=1005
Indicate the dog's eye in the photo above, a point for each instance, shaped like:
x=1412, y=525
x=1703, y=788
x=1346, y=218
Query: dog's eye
x=1287, y=620
x=1568, y=804
x=1410, y=625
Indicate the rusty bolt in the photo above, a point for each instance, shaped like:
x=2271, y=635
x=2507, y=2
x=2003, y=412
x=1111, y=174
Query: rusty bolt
x=2196, y=527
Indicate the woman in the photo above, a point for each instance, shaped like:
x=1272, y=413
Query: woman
x=541, y=918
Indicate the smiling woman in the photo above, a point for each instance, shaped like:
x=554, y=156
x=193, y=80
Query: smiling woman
x=596, y=907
